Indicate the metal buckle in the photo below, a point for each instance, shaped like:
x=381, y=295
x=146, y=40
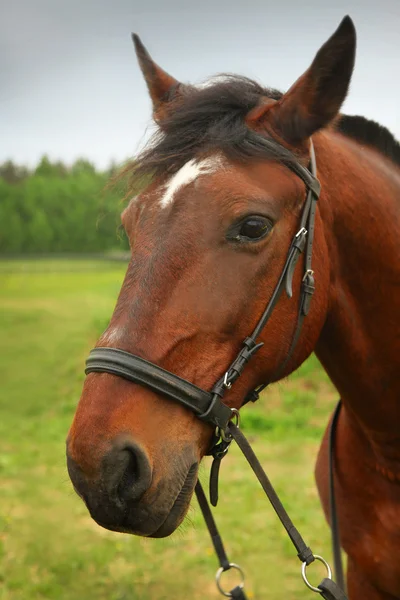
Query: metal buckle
x=307, y=274
x=218, y=579
x=304, y=573
x=227, y=384
x=301, y=231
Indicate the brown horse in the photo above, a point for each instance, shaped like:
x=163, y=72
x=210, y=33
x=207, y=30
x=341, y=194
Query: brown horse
x=209, y=238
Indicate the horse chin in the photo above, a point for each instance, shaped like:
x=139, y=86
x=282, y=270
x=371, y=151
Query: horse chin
x=172, y=522
x=180, y=506
x=167, y=527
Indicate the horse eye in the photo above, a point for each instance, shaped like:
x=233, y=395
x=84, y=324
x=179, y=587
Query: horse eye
x=253, y=228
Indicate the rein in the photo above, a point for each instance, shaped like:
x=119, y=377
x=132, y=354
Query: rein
x=209, y=407
x=327, y=589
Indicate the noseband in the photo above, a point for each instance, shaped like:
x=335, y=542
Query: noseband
x=208, y=406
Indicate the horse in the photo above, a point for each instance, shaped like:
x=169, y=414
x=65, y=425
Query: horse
x=209, y=236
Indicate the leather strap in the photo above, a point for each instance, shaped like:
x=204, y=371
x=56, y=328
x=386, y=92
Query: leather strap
x=329, y=590
x=214, y=480
x=308, y=177
x=204, y=404
x=303, y=239
x=335, y=530
x=216, y=539
x=212, y=527
x=304, y=553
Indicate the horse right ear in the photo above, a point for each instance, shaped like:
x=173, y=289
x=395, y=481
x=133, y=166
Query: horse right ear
x=316, y=97
x=162, y=87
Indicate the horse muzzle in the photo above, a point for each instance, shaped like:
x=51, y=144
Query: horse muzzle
x=121, y=496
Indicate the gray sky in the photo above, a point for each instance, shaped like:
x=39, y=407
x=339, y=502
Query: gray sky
x=70, y=85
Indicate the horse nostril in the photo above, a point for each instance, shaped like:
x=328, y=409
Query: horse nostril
x=130, y=473
x=126, y=471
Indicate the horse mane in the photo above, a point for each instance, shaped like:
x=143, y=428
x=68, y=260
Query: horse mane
x=371, y=133
x=211, y=118
x=206, y=119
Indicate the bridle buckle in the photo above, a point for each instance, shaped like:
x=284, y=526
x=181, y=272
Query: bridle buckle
x=227, y=384
x=309, y=273
x=301, y=232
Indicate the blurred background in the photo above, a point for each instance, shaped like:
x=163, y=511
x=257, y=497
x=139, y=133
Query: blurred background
x=73, y=109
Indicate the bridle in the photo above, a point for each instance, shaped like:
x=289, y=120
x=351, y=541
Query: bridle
x=209, y=407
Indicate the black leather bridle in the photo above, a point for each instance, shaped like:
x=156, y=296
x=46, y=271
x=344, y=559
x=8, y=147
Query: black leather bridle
x=209, y=406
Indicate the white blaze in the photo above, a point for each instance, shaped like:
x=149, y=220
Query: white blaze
x=187, y=174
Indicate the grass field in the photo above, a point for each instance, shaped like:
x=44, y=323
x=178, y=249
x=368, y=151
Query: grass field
x=51, y=313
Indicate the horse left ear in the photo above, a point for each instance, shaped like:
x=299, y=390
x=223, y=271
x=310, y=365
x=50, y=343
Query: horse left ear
x=316, y=97
x=162, y=86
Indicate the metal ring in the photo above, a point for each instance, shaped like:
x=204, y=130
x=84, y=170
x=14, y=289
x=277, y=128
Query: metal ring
x=304, y=573
x=234, y=415
x=218, y=578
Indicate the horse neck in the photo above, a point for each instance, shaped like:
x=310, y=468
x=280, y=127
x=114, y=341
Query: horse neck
x=359, y=345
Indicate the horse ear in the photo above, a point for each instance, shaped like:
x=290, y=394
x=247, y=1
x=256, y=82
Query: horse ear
x=162, y=86
x=316, y=97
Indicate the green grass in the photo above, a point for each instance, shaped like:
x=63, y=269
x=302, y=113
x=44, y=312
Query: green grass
x=51, y=313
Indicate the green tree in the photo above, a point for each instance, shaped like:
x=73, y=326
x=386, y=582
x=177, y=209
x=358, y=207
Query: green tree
x=12, y=173
x=58, y=209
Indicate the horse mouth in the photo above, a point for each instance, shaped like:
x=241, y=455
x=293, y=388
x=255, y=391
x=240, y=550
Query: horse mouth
x=179, y=507
x=140, y=519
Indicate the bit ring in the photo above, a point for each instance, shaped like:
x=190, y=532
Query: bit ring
x=235, y=415
x=304, y=573
x=218, y=579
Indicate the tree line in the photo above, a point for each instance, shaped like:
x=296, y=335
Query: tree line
x=55, y=208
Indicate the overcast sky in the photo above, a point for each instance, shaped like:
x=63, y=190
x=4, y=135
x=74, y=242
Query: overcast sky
x=70, y=84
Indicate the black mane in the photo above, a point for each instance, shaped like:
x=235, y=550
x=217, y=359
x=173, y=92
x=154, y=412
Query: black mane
x=367, y=131
x=212, y=118
x=209, y=119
